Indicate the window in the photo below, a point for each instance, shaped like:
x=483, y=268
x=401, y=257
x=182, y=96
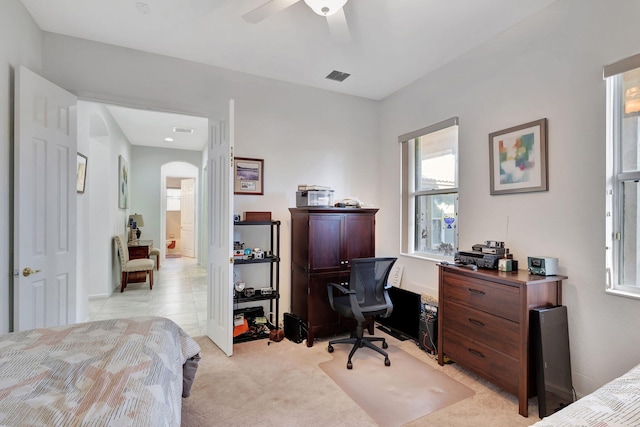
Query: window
x=430, y=190
x=173, y=199
x=623, y=176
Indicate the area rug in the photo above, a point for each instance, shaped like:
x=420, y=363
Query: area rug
x=174, y=256
x=393, y=395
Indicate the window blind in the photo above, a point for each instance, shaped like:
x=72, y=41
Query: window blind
x=429, y=129
x=622, y=66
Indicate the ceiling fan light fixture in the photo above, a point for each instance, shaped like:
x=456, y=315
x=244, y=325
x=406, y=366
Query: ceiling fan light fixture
x=325, y=7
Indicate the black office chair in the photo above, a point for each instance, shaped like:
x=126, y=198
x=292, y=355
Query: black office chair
x=365, y=297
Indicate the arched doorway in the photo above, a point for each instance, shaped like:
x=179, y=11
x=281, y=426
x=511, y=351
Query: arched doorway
x=179, y=219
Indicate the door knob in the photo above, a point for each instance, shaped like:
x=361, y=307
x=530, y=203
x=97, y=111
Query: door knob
x=28, y=271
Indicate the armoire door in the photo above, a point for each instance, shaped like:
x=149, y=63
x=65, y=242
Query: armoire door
x=325, y=233
x=359, y=240
x=319, y=310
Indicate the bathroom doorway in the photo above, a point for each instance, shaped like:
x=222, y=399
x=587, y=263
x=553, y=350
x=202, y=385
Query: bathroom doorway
x=179, y=210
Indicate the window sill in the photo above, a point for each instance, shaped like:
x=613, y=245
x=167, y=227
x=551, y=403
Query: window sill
x=428, y=257
x=624, y=293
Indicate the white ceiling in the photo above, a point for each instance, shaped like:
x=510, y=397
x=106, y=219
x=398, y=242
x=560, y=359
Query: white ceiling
x=150, y=128
x=393, y=42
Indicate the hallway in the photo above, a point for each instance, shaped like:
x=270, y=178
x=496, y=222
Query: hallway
x=179, y=293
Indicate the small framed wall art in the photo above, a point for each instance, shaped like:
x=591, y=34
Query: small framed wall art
x=518, y=159
x=248, y=176
x=81, y=174
x=123, y=183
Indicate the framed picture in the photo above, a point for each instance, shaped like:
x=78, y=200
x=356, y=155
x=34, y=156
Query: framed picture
x=81, y=175
x=248, y=176
x=518, y=159
x=123, y=183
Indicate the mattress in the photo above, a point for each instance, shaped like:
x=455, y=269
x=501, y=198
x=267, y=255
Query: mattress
x=112, y=372
x=616, y=403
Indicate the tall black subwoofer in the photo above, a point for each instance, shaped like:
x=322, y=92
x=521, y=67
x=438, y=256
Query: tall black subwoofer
x=550, y=340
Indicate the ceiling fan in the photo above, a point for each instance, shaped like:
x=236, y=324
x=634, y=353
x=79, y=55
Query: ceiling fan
x=331, y=9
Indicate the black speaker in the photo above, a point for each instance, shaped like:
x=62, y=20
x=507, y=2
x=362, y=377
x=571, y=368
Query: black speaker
x=428, y=333
x=294, y=328
x=550, y=340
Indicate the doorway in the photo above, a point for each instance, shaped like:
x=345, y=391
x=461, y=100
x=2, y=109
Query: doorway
x=179, y=207
x=180, y=217
x=107, y=132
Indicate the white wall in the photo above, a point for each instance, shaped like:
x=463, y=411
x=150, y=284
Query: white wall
x=99, y=217
x=20, y=44
x=304, y=135
x=548, y=66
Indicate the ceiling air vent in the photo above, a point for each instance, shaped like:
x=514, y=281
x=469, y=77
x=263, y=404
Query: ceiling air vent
x=182, y=130
x=338, y=76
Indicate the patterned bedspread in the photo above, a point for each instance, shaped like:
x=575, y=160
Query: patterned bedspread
x=615, y=404
x=120, y=372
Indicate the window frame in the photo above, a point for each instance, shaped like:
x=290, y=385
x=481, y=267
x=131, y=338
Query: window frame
x=409, y=193
x=616, y=178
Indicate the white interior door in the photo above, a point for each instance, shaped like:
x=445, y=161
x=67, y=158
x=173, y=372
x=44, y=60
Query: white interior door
x=220, y=233
x=187, y=217
x=45, y=203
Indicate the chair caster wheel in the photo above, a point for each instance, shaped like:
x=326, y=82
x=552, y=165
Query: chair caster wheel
x=349, y=365
x=387, y=362
x=385, y=345
x=330, y=348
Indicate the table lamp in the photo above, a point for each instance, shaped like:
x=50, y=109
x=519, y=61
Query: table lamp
x=136, y=222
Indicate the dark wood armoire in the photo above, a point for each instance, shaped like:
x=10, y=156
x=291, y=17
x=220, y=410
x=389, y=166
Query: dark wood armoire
x=323, y=242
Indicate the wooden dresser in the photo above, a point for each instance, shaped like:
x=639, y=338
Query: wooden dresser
x=323, y=242
x=483, y=323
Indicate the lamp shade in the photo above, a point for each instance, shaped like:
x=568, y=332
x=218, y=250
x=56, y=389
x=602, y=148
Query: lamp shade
x=138, y=219
x=325, y=7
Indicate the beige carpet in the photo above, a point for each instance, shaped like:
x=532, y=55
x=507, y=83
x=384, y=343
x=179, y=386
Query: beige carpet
x=282, y=384
x=393, y=395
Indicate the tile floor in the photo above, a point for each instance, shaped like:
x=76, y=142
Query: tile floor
x=179, y=293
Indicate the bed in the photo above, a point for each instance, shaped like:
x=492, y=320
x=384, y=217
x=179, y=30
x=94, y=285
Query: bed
x=616, y=403
x=114, y=372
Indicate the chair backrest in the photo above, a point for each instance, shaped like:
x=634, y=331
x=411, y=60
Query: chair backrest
x=123, y=250
x=368, y=278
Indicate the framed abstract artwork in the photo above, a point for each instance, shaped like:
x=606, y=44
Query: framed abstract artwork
x=248, y=176
x=518, y=159
x=123, y=183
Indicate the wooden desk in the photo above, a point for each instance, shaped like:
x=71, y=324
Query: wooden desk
x=483, y=323
x=139, y=249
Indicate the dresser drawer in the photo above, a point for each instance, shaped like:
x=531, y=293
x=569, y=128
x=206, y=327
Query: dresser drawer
x=496, y=332
x=496, y=367
x=493, y=298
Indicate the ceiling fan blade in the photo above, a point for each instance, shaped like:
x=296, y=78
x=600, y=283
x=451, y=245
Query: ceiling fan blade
x=338, y=27
x=266, y=10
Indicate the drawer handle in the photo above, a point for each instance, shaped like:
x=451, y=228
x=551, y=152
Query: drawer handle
x=476, y=353
x=477, y=292
x=476, y=322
